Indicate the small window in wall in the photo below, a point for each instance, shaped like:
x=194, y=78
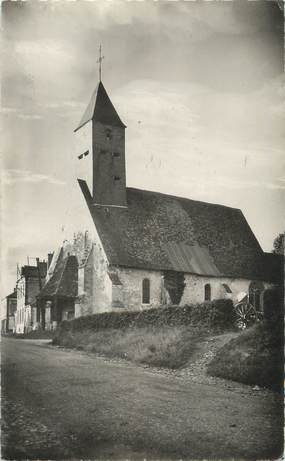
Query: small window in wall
x=207, y=289
x=103, y=151
x=227, y=288
x=145, y=291
x=117, y=178
x=116, y=154
x=109, y=134
x=83, y=155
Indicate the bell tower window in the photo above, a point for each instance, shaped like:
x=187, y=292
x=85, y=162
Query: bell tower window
x=109, y=134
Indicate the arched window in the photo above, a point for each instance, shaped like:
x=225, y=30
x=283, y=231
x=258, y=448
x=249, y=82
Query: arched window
x=207, y=292
x=146, y=291
x=254, y=294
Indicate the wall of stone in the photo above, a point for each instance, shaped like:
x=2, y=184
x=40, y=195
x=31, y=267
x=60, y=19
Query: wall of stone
x=94, y=284
x=195, y=288
x=131, y=291
x=129, y=295
x=81, y=246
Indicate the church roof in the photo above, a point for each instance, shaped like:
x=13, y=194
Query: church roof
x=64, y=280
x=100, y=109
x=164, y=232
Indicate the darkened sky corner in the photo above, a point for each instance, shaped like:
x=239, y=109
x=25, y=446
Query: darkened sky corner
x=198, y=84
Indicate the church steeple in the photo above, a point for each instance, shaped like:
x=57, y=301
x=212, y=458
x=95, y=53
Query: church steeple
x=100, y=109
x=108, y=149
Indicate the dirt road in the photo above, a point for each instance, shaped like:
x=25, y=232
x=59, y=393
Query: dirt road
x=62, y=404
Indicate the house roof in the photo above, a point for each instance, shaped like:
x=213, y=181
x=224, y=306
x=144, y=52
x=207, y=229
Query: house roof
x=163, y=232
x=12, y=295
x=64, y=279
x=100, y=109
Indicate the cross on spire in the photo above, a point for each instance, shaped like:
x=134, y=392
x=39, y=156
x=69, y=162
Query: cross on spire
x=99, y=60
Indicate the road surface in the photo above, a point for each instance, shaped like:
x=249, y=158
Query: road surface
x=60, y=404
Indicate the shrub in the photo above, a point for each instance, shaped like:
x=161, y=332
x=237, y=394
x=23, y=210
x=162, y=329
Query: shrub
x=218, y=314
x=254, y=357
x=273, y=307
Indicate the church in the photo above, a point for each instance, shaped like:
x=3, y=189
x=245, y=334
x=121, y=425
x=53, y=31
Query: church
x=151, y=249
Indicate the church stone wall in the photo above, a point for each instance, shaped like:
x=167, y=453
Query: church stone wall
x=129, y=295
x=94, y=284
x=131, y=292
x=195, y=284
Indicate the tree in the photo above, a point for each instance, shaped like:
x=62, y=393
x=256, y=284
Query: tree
x=278, y=244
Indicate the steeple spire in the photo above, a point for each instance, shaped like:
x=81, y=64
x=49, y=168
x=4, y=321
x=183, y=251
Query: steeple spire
x=104, y=140
x=99, y=60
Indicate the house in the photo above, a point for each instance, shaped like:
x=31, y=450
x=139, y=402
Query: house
x=58, y=297
x=56, y=300
x=150, y=249
x=8, y=309
x=28, y=285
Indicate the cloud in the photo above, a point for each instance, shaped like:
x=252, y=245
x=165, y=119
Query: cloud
x=14, y=176
x=30, y=116
x=189, y=79
x=17, y=112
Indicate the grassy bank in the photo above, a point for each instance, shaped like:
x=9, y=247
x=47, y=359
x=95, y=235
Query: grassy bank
x=170, y=347
x=255, y=357
x=162, y=337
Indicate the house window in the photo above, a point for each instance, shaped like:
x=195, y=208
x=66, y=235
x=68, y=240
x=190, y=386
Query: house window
x=116, y=154
x=207, y=289
x=145, y=291
x=117, y=178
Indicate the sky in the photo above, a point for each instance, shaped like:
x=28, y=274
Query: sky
x=199, y=85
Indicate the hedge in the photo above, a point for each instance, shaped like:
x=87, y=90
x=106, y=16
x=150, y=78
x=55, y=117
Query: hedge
x=255, y=357
x=215, y=314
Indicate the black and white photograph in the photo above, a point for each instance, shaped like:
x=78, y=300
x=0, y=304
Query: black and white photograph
x=142, y=230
